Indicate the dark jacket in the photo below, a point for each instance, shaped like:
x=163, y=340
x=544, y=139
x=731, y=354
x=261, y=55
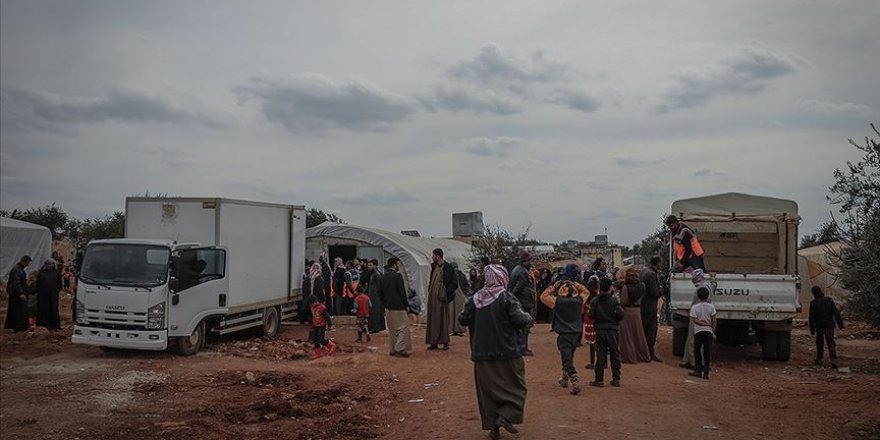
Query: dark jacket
x=450, y=279
x=653, y=291
x=521, y=287
x=823, y=314
x=463, y=282
x=494, y=327
x=326, y=275
x=634, y=294
x=568, y=314
x=606, y=312
x=319, y=291
x=392, y=291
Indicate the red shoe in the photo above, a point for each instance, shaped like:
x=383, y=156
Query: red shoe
x=331, y=348
x=319, y=353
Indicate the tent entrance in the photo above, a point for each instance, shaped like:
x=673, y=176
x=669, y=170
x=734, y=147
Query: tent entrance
x=347, y=253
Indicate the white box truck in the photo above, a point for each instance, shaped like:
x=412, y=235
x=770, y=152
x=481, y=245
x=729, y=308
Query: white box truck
x=750, y=243
x=188, y=266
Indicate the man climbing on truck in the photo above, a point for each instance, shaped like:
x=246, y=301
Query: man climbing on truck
x=688, y=252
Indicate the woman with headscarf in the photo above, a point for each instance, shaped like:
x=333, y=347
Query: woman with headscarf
x=633, y=345
x=48, y=286
x=494, y=316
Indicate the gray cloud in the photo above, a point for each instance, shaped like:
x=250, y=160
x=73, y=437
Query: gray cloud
x=706, y=172
x=500, y=83
x=638, y=162
x=500, y=146
x=314, y=103
x=747, y=71
x=574, y=100
x=28, y=110
x=836, y=109
x=465, y=99
x=492, y=67
x=377, y=198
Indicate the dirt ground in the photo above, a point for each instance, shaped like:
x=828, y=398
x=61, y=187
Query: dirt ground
x=241, y=388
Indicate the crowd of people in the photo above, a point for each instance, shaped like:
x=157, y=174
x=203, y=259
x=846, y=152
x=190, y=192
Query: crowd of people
x=33, y=297
x=612, y=312
x=609, y=311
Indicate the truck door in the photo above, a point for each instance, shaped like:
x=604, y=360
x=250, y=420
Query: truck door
x=199, y=288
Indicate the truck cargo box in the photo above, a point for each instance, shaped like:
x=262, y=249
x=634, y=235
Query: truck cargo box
x=265, y=241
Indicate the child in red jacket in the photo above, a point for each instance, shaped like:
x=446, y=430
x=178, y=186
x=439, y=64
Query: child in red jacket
x=321, y=322
x=362, y=311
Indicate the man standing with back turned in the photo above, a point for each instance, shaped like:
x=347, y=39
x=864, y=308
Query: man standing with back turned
x=392, y=294
x=823, y=315
x=523, y=289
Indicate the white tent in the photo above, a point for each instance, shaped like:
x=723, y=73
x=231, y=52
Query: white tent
x=18, y=238
x=414, y=252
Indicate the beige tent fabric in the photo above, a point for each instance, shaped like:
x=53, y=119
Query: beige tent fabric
x=735, y=204
x=814, y=266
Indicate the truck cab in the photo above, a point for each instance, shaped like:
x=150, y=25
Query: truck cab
x=750, y=245
x=149, y=294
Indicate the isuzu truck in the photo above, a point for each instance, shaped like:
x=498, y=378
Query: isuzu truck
x=750, y=244
x=189, y=266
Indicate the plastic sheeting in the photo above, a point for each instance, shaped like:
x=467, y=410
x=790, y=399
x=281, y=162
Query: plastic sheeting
x=414, y=252
x=17, y=239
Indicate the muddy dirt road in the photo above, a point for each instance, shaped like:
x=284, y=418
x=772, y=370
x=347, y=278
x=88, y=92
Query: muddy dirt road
x=248, y=389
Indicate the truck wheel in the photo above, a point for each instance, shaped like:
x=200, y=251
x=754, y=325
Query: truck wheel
x=188, y=346
x=679, y=338
x=271, y=323
x=783, y=345
x=769, y=343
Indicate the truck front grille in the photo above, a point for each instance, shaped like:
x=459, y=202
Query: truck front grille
x=116, y=319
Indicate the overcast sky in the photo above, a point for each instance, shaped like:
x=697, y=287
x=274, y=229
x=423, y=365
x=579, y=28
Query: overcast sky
x=573, y=116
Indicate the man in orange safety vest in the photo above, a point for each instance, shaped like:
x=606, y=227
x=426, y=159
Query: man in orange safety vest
x=685, y=246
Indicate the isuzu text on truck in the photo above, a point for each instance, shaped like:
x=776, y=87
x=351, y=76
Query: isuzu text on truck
x=750, y=242
x=189, y=266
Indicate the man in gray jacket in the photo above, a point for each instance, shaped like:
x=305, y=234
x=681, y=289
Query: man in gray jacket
x=523, y=289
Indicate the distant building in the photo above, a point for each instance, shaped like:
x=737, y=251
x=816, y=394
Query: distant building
x=601, y=247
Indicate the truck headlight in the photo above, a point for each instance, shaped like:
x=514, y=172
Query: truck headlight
x=81, y=313
x=156, y=316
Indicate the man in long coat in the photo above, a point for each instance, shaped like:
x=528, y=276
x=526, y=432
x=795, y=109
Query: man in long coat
x=653, y=292
x=441, y=290
x=16, y=290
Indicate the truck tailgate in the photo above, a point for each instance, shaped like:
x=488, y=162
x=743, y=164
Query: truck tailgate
x=738, y=296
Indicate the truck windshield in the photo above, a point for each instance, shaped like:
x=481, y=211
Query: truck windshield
x=126, y=265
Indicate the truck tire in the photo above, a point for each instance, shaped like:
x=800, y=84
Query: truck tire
x=769, y=343
x=679, y=338
x=271, y=322
x=188, y=346
x=783, y=346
